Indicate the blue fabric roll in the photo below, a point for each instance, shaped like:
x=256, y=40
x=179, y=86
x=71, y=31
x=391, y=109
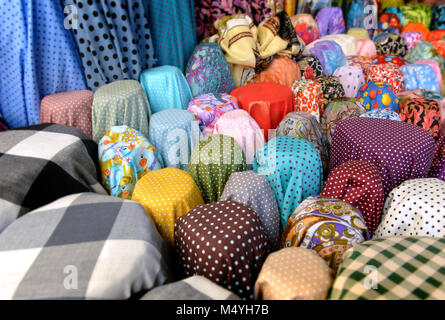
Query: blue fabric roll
x=114, y=40
x=174, y=31
x=38, y=58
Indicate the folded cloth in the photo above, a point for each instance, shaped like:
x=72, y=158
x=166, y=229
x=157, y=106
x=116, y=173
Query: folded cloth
x=382, y=114
x=378, y=95
x=412, y=38
x=332, y=89
x=42, y=163
x=330, y=21
x=83, y=246
x=436, y=68
x=389, y=59
x=388, y=43
x=347, y=43
x=351, y=79
x=191, y=288
x=420, y=76
x=330, y=55
x=417, y=12
x=306, y=27
x=389, y=22
x=125, y=156
x=310, y=67
x=387, y=73
x=308, y=97
x=437, y=35
x=397, y=12
x=438, y=21
x=366, y=48
x=438, y=167
x=282, y=70
x=417, y=27
x=425, y=51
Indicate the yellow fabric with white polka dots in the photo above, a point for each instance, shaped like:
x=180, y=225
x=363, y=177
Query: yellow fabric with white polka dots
x=166, y=195
x=293, y=274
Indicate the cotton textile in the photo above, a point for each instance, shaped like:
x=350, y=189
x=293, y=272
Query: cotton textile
x=382, y=114
x=174, y=133
x=294, y=171
x=420, y=76
x=384, y=139
x=122, y=102
x=422, y=112
x=387, y=73
x=293, y=274
x=306, y=27
x=209, y=237
x=412, y=38
x=331, y=87
x=438, y=167
x=327, y=226
x=167, y=194
x=308, y=97
x=253, y=190
x=330, y=21
x=212, y=162
x=378, y=95
x=71, y=108
x=109, y=243
x=208, y=71
x=282, y=70
x=114, y=40
x=33, y=69
x=166, y=88
x=42, y=163
x=330, y=55
x=351, y=79
x=359, y=184
x=389, y=43
x=408, y=268
x=366, y=48
x=125, y=156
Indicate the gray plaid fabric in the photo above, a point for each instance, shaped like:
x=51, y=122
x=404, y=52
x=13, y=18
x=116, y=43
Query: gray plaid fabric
x=192, y=288
x=82, y=246
x=392, y=269
x=42, y=163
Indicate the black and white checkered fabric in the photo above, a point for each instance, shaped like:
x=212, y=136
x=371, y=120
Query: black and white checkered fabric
x=42, y=163
x=82, y=246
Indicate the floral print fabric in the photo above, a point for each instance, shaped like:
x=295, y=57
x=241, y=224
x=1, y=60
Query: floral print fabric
x=308, y=97
x=387, y=73
x=387, y=43
x=422, y=112
x=378, y=95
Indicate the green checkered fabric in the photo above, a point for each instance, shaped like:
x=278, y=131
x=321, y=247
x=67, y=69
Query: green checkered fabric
x=392, y=268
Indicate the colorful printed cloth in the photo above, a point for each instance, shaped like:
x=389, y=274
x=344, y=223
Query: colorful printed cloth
x=174, y=133
x=421, y=112
x=83, y=246
x=293, y=274
x=347, y=43
x=389, y=59
x=436, y=68
x=359, y=61
x=385, y=4
x=413, y=146
x=310, y=67
x=386, y=73
x=207, y=109
x=417, y=27
x=438, y=21
x=436, y=35
x=125, y=156
x=438, y=167
x=330, y=21
x=338, y=110
x=414, y=209
x=308, y=97
x=395, y=10
x=117, y=103
x=306, y=27
x=282, y=70
x=166, y=88
x=239, y=125
x=288, y=33
x=417, y=12
x=425, y=51
x=389, y=22
x=366, y=48
x=326, y=225
x=303, y=125
x=363, y=14
x=440, y=47
x=412, y=38
x=420, y=76
x=378, y=95
x=166, y=195
x=331, y=87
x=253, y=190
x=330, y=55
x=359, y=184
x=222, y=238
x=212, y=162
x=208, y=71
x=351, y=79
x=382, y=114
x=294, y=171
x=399, y=268
x=387, y=43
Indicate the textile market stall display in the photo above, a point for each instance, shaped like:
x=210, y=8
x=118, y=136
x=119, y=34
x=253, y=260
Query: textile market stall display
x=222, y=149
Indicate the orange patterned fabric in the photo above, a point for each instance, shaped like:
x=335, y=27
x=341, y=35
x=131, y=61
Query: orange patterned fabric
x=282, y=71
x=308, y=97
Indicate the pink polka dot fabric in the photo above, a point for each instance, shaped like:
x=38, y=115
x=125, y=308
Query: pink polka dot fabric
x=359, y=184
x=71, y=108
x=400, y=150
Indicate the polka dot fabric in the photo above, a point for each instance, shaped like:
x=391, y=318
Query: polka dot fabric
x=415, y=208
x=351, y=79
x=399, y=150
x=359, y=184
x=114, y=40
x=294, y=171
x=378, y=95
x=71, y=108
x=122, y=102
x=293, y=274
x=253, y=190
x=166, y=195
x=223, y=241
x=212, y=162
x=438, y=166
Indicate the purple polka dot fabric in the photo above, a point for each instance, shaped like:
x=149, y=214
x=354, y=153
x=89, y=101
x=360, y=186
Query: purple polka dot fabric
x=294, y=171
x=400, y=150
x=438, y=166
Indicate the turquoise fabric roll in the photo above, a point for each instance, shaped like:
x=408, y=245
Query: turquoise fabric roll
x=166, y=88
x=294, y=171
x=174, y=133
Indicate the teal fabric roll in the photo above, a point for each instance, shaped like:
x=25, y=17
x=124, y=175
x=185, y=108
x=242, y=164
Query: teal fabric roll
x=174, y=133
x=166, y=88
x=120, y=103
x=294, y=171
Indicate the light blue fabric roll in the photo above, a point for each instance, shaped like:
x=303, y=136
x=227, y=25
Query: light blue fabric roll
x=166, y=88
x=174, y=133
x=38, y=57
x=294, y=171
